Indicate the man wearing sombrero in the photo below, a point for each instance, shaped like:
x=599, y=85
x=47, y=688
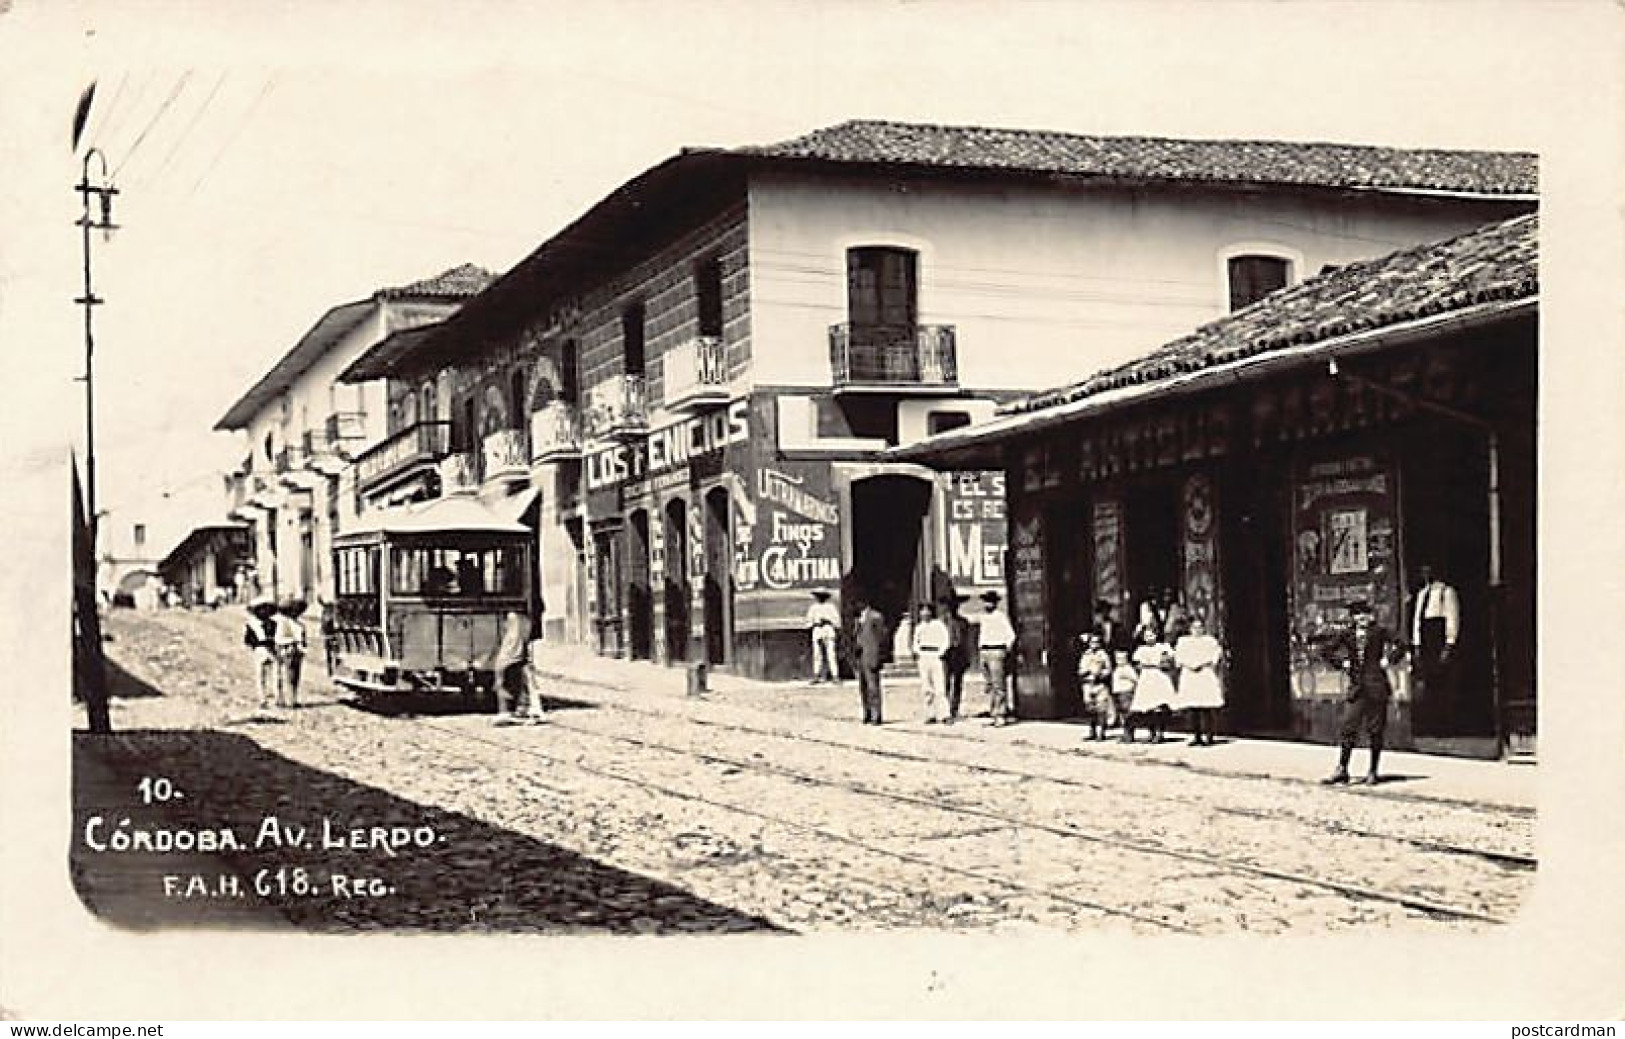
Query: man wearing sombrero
x=824, y=623
x=1364, y=652
x=994, y=640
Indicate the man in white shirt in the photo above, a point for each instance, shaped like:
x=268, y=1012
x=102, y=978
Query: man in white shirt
x=509, y=665
x=930, y=642
x=824, y=622
x=994, y=640
x=1435, y=625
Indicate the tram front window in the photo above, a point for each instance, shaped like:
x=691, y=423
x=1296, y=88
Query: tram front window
x=438, y=572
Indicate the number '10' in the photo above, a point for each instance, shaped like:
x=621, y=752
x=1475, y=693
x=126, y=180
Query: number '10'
x=156, y=789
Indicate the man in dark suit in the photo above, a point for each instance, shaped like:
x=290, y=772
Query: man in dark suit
x=1364, y=652
x=870, y=642
x=956, y=660
x=1435, y=623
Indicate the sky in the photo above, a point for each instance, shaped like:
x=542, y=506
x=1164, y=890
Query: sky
x=272, y=165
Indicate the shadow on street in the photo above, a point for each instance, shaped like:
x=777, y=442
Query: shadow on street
x=472, y=877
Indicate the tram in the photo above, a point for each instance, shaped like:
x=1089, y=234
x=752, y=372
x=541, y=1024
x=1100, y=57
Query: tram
x=422, y=593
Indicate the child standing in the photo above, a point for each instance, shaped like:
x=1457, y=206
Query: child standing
x=1094, y=679
x=290, y=648
x=1154, y=691
x=1200, y=692
x=259, y=635
x=1124, y=679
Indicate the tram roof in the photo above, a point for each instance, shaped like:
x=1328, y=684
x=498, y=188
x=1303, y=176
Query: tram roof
x=453, y=514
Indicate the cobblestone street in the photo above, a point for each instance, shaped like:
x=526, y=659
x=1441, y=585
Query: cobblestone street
x=634, y=809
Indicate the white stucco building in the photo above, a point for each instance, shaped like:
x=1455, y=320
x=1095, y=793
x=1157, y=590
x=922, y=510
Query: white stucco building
x=301, y=426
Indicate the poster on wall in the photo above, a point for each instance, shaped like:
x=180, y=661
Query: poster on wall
x=1343, y=549
x=1199, y=552
x=1106, y=534
x=794, y=539
x=974, y=529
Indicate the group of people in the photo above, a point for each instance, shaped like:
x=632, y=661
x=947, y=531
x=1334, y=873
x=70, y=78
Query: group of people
x=1172, y=667
x=275, y=635
x=943, y=643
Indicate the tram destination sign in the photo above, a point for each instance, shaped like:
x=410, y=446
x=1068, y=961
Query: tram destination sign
x=667, y=448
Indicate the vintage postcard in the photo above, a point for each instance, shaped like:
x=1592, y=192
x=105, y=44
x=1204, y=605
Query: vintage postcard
x=922, y=510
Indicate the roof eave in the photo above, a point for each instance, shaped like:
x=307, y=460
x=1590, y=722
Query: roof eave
x=241, y=414
x=971, y=447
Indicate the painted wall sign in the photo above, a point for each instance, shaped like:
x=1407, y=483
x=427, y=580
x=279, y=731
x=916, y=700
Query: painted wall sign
x=795, y=532
x=1154, y=441
x=974, y=528
x=1343, y=549
x=666, y=448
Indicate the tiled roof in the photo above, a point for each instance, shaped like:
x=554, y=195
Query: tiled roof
x=1493, y=263
x=459, y=282
x=1162, y=159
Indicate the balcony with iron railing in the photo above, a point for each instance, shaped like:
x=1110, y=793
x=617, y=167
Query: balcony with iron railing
x=345, y=427
x=339, y=434
x=695, y=374
x=617, y=409
x=504, y=453
x=555, y=433
x=888, y=359
x=420, y=445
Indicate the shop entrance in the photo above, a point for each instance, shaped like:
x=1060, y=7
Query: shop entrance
x=718, y=577
x=607, y=563
x=639, y=595
x=1255, y=568
x=1444, y=474
x=676, y=590
x=575, y=611
x=1151, y=558
x=891, y=550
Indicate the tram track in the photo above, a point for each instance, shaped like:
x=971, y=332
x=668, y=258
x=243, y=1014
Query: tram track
x=868, y=847
x=1500, y=857
x=1269, y=883
x=1431, y=907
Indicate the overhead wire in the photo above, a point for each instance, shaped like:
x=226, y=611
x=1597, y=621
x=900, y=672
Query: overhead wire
x=231, y=136
x=191, y=125
x=174, y=92
x=106, y=114
x=104, y=132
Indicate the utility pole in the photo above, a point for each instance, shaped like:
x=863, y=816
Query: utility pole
x=104, y=193
x=89, y=671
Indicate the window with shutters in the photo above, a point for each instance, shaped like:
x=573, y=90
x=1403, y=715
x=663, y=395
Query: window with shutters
x=1254, y=276
x=882, y=290
x=708, y=296
x=632, y=338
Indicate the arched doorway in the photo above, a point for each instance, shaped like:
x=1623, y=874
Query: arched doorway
x=891, y=543
x=676, y=590
x=718, y=577
x=639, y=595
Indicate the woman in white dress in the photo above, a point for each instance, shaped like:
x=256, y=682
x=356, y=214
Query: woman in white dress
x=1154, y=692
x=1200, y=692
